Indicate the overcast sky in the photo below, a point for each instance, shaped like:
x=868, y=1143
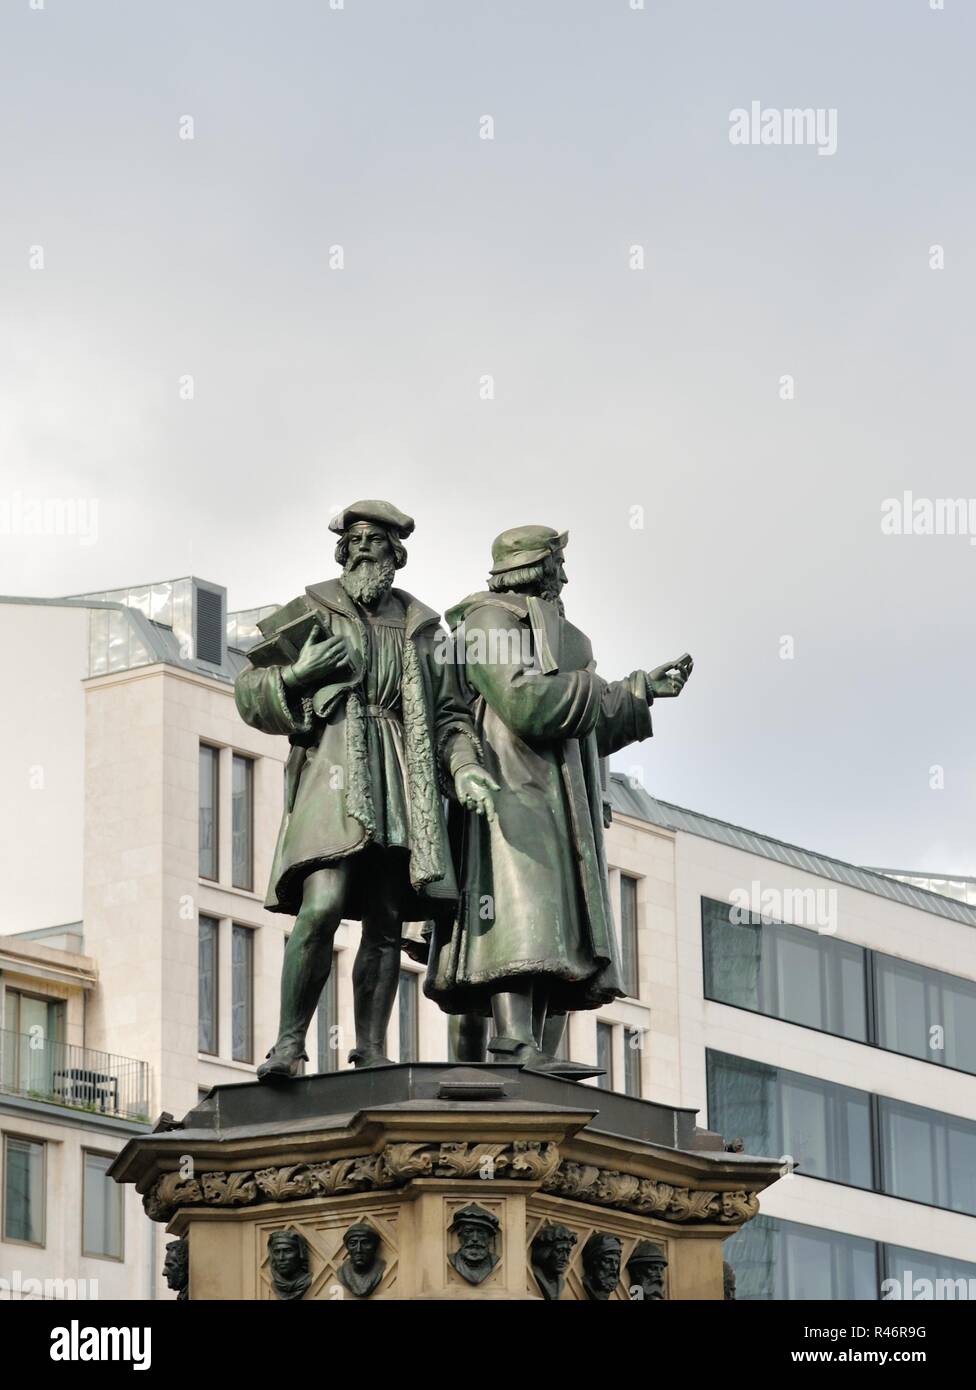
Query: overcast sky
x=614, y=388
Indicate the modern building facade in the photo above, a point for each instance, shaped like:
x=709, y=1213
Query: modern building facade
x=815, y=1011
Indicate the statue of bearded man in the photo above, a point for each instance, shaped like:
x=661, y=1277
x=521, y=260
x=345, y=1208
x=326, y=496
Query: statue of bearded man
x=353, y=673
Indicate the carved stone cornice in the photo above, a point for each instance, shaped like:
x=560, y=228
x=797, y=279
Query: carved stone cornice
x=398, y=1163
x=607, y=1187
x=393, y=1166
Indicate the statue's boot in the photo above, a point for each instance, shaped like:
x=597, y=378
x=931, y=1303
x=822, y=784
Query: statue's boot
x=283, y=1062
x=514, y=1041
x=552, y=1036
x=468, y=1034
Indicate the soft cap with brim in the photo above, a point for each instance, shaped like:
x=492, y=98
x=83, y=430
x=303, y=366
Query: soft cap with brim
x=524, y=545
x=383, y=513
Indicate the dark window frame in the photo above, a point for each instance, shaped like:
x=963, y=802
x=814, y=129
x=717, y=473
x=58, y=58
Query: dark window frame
x=117, y=1192
x=243, y=760
x=214, y=751
x=240, y=932
x=214, y=922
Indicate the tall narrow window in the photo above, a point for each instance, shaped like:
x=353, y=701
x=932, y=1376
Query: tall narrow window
x=408, y=1016
x=23, y=1190
x=633, y=1042
x=628, y=933
x=604, y=1054
x=101, y=1204
x=33, y=1055
x=328, y=1054
x=207, y=986
x=242, y=821
x=242, y=994
x=209, y=809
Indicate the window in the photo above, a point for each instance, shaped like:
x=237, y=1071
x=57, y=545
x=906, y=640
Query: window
x=925, y=1013
x=209, y=809
x=242, y=994
x=909, y=1267
x=628, y=934
x=927, y=1156
x=633, y=1043
x=207, y=985
x=823, y=1128
x=34, y=1028
x=849, y=1136
x=408, y=1016
x=101, y=1209
x=23, y=1190
x=792, y=973
x=328, y=1055
x=242, y=822
x=786, y=1260
x=604, y=1055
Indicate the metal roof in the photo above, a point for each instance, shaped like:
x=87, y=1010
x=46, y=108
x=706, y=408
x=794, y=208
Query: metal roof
x=634, y=801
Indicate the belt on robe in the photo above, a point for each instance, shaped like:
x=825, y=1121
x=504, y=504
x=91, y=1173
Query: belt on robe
x=378, y=712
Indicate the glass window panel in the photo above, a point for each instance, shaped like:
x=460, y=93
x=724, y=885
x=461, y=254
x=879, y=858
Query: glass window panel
x=408, y=1016
x=909, y=1152
x=101, y=1209
x=961, y=1164
x=183, y=617
x=628, y=934
x=328, y=1034
x=776, y=1259
x=161, y=600
x=902, y=1012
x=23, y=1190
x=847, y=1012
x=956, y=1014
x=604, y=1055
x=207, y=986
x=98, y=641
x=140, y=598
x=242, y=994
x=799, y=983
x=742, y=1102
x=733, y=952
x=911, y=1267
x=633, y=1041
x=118, y=640
x=209, y=825
x=242, y=822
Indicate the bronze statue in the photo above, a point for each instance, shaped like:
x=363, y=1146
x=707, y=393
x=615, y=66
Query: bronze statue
x=551, y=1252
x=645, y=1270
x=534, y=937
x=362, y=1271
x=176, y=1268
x=288, y=1263
x=476, y=1230
x=601, y=1265
x=728, y=1281
x=352, y=673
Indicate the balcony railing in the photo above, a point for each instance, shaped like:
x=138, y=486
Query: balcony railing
x=100, y=1082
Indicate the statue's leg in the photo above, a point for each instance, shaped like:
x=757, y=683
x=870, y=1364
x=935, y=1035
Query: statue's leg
x=308, y=960
x=552, y=1033
x=469, y=1036
x=376, y=971
x=514, y=1039
x=540, y=1002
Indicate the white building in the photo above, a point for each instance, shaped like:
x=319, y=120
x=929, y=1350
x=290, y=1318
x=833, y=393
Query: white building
x=142, y=810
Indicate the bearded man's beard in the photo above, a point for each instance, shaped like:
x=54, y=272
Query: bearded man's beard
x=366, y=581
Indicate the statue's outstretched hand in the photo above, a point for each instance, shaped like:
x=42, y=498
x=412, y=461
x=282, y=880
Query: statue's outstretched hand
x=474, y=788
x=670, y=679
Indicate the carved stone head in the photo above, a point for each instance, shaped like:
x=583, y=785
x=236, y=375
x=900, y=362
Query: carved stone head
x=601, y=1265
x=476, y=1230
x=552, y=1250
x=645, y=1270
x=362, y=1271
x=176, y=1267
x=288, y=1262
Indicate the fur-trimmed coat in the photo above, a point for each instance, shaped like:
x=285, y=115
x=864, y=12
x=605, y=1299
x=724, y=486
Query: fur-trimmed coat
x=335, y=764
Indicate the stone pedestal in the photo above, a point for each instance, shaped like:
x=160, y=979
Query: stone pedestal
x=403, y=1150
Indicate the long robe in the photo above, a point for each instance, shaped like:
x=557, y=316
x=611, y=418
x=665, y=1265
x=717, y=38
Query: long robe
x=534, y=891
x=370, y=756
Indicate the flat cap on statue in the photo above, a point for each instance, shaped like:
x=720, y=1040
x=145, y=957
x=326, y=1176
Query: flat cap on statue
x=647, y=1253
x=524, y=545
x=383, y=513
x=473, y=1215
